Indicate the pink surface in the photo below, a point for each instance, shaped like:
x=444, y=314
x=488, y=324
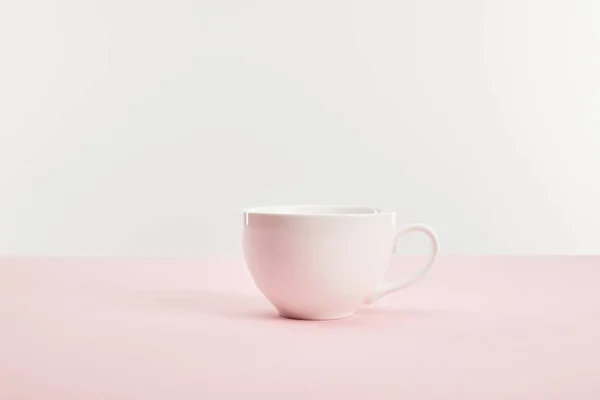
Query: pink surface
x=475, y=328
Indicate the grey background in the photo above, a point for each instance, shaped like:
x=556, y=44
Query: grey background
x=143, y=127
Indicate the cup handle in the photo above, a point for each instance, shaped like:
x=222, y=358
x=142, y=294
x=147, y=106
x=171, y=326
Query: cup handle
x=389, y=287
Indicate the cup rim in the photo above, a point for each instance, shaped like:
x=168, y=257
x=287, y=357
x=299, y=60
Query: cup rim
x=315, y=210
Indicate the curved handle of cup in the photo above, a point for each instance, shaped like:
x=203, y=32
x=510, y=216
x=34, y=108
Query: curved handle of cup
x=390, y=287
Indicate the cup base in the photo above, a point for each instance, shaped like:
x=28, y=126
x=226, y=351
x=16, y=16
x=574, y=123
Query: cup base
x=315, y=318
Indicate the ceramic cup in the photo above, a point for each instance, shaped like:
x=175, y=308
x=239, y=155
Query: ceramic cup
x=324, y=262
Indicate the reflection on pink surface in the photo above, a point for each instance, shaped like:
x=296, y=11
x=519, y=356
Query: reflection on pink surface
x=478, y=327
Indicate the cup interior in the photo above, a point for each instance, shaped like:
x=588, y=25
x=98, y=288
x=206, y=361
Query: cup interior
x=314, y=210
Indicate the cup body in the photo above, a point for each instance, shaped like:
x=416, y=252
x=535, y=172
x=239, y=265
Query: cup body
x=315, y=262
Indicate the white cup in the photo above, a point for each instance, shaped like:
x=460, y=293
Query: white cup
x=324, y=262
